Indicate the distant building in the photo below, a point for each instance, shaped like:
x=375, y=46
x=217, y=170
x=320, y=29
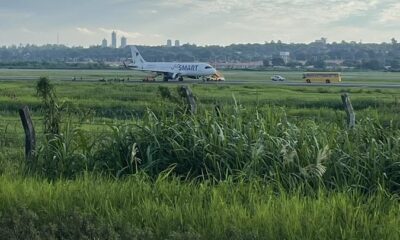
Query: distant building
x=238, y=65
x=322, y=41
x=177, y=43
x=285, y=56
x=114, y=39
x=104, y=43
x=123, y=42
x=169, y=43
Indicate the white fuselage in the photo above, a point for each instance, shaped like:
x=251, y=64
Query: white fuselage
x=179, y=69
x=171, y=70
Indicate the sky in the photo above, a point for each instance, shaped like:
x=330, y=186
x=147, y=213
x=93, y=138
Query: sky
x=202, y=22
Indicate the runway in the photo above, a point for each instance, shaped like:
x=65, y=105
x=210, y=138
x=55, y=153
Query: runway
x=190, y=81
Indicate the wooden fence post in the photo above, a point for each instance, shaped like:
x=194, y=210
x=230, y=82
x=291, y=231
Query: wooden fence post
x=191, y=103
x=30, y=137
x=351, y=116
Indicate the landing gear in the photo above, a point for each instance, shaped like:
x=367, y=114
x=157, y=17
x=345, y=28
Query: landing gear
x=180, y=79
x=165, y=78
x=150, y=78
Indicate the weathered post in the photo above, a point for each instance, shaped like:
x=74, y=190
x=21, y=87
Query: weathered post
x=30, y=137
x=351, y=116
x=191, y=103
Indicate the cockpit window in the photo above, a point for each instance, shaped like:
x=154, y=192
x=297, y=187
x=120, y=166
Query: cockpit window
x=208, y=67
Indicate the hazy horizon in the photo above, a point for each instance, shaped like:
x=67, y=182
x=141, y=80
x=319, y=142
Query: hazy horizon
x=181, y=43
x=201, y=22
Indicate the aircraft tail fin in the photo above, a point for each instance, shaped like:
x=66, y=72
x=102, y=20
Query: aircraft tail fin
x=137, y=59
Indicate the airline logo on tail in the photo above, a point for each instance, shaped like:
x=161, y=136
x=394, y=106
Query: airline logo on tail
x=137, y=59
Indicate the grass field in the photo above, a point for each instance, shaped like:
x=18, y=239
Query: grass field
x=231, y=75
x=169, y=209
x=274, y=162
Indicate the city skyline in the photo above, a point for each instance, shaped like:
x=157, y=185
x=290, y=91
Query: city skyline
x=208, y=22
x=114, y=41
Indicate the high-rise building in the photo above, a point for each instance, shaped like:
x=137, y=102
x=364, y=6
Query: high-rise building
x=177, y=43
x=114, y=39
x=123, y=42
x=104, y=43
x=169, y=43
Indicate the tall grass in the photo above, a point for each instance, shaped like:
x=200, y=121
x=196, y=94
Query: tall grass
x=238, y=143
x=136, y=208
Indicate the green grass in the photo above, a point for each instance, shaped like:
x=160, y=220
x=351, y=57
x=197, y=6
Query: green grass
x=67, y=74
x=231, y=75
x=279, y=163
x=135, y=208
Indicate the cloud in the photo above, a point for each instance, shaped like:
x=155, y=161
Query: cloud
x=85, y=30
x=208, y=6
x=14, y=14
x=391, y=14
x=26, y=30
x=201, y=21
x=278, y=14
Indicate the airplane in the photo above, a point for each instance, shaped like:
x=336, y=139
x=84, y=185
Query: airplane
x=170, y=70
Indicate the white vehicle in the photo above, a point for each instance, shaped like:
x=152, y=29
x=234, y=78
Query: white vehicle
x=170, y=70
x=277, y=78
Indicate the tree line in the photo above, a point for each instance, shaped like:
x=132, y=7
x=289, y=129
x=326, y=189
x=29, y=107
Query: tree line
x=318, y=54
